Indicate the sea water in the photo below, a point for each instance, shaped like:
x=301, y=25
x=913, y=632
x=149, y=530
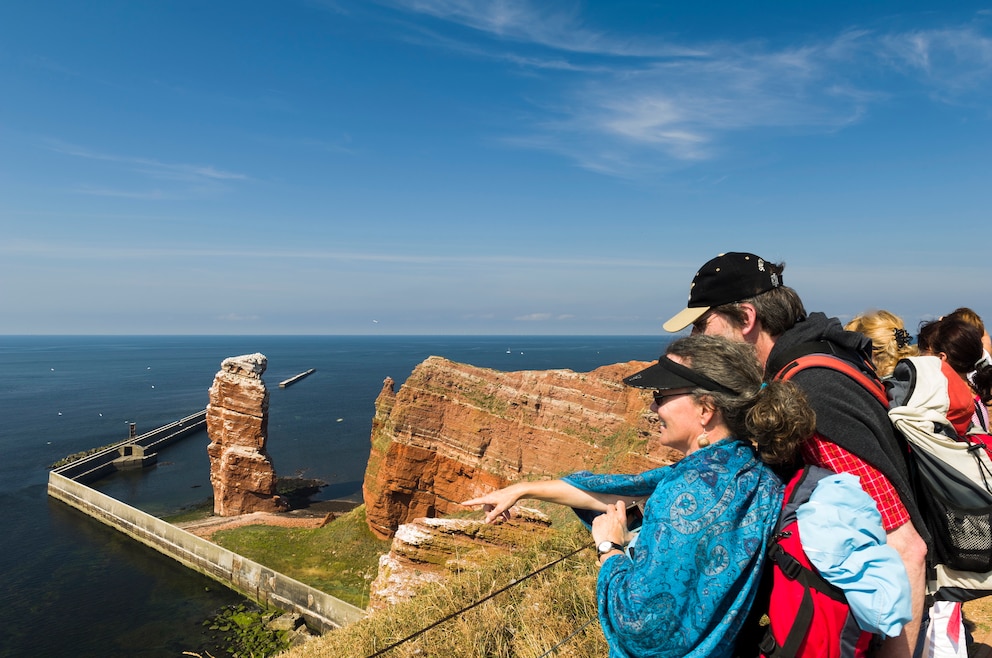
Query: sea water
x=75, y=587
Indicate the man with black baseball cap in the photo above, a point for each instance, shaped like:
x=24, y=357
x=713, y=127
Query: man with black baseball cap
x=742, y=296
x=726, y=279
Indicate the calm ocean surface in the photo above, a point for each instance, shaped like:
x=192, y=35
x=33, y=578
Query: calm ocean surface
x=72, y=586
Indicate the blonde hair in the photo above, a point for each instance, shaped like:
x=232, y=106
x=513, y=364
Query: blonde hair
x=884, y=329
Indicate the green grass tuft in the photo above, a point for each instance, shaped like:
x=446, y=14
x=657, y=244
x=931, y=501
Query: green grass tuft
x=341, y=559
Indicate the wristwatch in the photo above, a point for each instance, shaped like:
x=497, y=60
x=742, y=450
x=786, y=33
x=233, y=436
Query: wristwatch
x=606, y=546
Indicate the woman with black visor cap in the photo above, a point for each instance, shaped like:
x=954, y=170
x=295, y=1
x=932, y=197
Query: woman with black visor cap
x=687, y=585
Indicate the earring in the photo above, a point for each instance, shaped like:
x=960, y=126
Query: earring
x=703, y=440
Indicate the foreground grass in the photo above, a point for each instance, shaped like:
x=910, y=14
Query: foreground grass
x=528, y=620
x=341, y=559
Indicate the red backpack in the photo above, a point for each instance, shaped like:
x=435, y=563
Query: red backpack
x=807, y=616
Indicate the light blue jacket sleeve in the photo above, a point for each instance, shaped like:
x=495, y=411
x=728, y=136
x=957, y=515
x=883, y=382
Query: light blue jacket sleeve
x=842, y=535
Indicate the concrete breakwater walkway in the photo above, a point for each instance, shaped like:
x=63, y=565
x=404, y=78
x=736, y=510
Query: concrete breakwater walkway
x=103, y=462
x=295, y=378
x=321, y=611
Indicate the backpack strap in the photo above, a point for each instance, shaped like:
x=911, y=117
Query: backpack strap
x=979, y=416
x=801, y=349
x=797, y=492
x=859, y=358
x=870, y=382
x=790, y=648
x=811, y=581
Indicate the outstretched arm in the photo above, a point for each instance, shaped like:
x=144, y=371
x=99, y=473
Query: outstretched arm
x=498, y=503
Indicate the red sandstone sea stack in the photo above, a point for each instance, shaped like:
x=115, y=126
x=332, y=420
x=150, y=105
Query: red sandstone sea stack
x=241, y=471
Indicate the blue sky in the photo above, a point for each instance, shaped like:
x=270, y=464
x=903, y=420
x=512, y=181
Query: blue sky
x=490, y=167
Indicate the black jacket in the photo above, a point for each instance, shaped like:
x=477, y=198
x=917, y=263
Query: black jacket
x=847, y=414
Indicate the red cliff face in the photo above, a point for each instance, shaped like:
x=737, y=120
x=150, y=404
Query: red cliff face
x=455, y=431
x=241, y=472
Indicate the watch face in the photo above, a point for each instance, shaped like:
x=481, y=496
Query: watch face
x=605, y=546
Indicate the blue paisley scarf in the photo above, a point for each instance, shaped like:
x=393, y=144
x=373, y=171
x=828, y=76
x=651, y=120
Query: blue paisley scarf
x=691, y=576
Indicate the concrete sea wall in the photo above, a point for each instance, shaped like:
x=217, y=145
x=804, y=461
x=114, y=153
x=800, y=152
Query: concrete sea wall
x=93, y=467
x=267, y=587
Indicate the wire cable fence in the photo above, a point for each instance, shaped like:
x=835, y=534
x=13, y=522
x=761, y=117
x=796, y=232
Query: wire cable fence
x=568, y=638
x=512, y=584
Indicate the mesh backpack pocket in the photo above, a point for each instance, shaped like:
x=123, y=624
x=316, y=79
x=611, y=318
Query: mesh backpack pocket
x=958, y=512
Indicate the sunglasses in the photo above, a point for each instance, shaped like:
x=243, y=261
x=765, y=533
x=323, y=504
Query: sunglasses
x=699, y=326
x=659, y=397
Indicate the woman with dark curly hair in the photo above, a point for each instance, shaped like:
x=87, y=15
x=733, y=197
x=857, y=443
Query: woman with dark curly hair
x=687, y=583
x=958, y=343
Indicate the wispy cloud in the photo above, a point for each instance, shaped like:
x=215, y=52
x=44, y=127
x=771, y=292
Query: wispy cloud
x=189, y=179
x=550, y=25
x=632, y=104
x=952, y=61
x=683, y=110
x=148, y=195
x=84, y=251
x=543, y=317
x=155, y=168
x=663, y=115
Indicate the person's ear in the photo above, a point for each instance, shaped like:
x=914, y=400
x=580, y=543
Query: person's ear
x=706, y=409
x=751, y=323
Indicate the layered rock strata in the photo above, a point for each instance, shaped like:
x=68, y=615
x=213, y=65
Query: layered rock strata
x=429, y=550
x=454, y=431
x=241, y=471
